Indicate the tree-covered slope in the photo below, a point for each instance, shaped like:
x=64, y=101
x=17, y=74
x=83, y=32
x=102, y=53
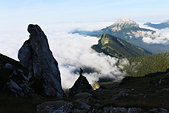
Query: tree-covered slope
x=144, y=65
x=116, y=47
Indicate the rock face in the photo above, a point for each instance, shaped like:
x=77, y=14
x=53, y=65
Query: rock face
x=81, y=85
x=36, y=56
x=13, y=77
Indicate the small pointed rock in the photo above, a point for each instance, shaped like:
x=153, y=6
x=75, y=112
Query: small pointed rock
x=80, y=85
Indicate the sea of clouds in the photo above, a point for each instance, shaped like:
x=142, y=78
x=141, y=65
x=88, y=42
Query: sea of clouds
x=159, y=37
x=72, y=51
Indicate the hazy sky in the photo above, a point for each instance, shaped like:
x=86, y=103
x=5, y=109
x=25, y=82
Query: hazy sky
x=22, y=12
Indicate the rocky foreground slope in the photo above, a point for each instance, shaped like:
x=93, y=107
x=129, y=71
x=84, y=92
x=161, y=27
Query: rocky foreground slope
x=148, y=94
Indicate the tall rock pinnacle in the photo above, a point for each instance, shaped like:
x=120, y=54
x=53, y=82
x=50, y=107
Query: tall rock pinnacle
x=36, y=55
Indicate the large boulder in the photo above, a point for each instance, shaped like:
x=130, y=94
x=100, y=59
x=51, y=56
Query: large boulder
x=37, y=57
x=80, y=85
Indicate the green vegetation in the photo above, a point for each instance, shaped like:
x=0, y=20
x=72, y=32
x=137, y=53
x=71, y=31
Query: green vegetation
x=141, y=66
x=144, y=92
x=117, y=47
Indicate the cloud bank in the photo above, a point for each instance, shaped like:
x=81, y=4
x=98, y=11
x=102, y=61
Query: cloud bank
x=159, y=37
x=73, y=51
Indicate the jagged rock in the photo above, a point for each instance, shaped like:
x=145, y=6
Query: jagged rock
x=122, y=93
x=13, y=77
x=136, y=110
x=158, y=110
x=112, y=109
x=64, y=109
x=62, y=106
x=18, y=83
x=37, y=57
x=8, y=66
x=82, y=95
x=84, y=105
x=14, y=87
x=59, y=106
x=80, y=85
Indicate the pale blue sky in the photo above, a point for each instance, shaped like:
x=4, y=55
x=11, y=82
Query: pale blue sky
x=18, y=12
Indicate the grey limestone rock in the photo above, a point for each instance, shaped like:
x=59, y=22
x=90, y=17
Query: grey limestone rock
x=37, y=57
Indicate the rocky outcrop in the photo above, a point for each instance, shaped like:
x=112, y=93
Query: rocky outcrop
x=13, y=77
x=62, y=106
x=59, y=106
x=37, y=57
x=81, y=85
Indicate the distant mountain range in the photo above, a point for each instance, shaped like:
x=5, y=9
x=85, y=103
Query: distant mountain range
x=130, y=31
x=162, y=25
x=116, y=47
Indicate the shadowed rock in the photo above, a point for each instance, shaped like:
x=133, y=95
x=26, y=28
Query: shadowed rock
x=13, y=77
x=81, y=85
x=37, y=57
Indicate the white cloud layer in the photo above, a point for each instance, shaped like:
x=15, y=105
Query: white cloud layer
x=72, y=51
x=159, y=37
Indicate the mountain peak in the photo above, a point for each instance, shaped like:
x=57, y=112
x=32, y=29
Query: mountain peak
x=125, y=20
x=123, y=23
